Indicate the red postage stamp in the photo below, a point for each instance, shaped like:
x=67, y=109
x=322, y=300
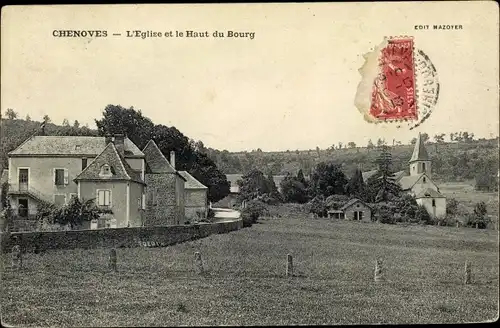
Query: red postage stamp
x=399, y=84
x=393, y=95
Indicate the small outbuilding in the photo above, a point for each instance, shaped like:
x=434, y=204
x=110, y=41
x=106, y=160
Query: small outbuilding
x=355, y=209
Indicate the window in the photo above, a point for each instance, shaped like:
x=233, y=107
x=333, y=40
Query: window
x=84, y=163
x=433, y=203
x=60, y=177
x=106, y=170
x=104, y=197
x=424, y=179
x=423, y=166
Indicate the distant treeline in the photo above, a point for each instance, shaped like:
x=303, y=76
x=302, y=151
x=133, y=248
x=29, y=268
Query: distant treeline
x=451, y=161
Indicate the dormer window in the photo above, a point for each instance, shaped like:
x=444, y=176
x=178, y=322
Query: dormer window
x=106, y=171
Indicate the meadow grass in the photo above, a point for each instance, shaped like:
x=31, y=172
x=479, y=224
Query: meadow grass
x=245, y=281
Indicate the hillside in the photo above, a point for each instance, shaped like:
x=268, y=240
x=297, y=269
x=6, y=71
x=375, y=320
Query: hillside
x=452, y=161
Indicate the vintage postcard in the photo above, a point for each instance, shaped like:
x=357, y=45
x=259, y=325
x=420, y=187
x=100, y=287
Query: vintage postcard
x=249, y=164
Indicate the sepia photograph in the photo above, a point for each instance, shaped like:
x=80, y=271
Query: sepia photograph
x=272, y=164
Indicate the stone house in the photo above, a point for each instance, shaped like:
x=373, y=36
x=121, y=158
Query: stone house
x=419, y=182
x=111, y=181
x=195, y=198
x=165, y=188
x=44, y=168
x=111, y=170
x=354, y=209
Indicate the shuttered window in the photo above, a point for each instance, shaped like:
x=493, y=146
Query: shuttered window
x=104, y=197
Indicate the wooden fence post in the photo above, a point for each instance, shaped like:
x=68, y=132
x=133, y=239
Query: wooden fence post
x=17, y=258
x=289, y=265
x=199, y=262
x=112, y=260
x=379, y=274
x=467, y=278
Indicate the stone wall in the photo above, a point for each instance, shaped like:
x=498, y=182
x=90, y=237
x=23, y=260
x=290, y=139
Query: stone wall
x=120, y=237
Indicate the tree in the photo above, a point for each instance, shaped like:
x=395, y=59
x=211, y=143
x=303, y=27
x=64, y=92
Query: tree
x=328, y=179
x=480, y=219
x=370, y=145
x=351, y=144
x=46, y=118
x=340, y=145
x=140, y=129
x=422, y=215
x=413, y=141
x=28, y=118
x=451, y=207
x=380, y=142
x=76, y=124
x=452, y=137
x=253, y=184
x=356, y=186
x=439, y=138
x=65, y=122
x=293, y=190
x=382, y=185
x=75, y=212
x=408, y=207
x=425, y=137
x=301, y=178
x=11, y=114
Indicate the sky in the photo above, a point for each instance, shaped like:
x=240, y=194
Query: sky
x=290, y=87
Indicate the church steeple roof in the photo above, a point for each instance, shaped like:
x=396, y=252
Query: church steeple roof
x=419, y=152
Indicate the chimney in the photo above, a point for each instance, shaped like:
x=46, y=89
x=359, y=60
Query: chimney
x=119, y=141
x=172, y=158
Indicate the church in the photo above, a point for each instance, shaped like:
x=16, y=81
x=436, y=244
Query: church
x=419, y=181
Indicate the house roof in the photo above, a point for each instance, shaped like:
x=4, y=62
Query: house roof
x=368, y=174
x=155, y=160
x=119, y=166
x=191, y=182
x=4, y=177
x=429, y=192
x=407, y=182
x=69, y=146
x=419, y=151
x=352, y=202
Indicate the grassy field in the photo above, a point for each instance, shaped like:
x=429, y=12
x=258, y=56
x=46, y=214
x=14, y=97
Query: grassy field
x=245, y=284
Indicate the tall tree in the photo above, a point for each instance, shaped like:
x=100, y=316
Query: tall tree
x=46, y=118
x=65, y=122
x=76, y=124
x=28, y=118
x=356, y=186
x=383, y=185
x=351, y=144
x=293, y=190
x=328, y=179
x=11, y=114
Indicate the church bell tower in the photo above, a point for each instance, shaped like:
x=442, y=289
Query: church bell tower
x=420, y=161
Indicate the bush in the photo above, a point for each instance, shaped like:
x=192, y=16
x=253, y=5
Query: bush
x=422, y=216
x=385, y=213
x=318, y=206
x=252, y=212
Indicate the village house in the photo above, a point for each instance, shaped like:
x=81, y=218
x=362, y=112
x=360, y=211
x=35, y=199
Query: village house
x=195, y=198
x=111, y=170
x=354, y=209
x=418, y=182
